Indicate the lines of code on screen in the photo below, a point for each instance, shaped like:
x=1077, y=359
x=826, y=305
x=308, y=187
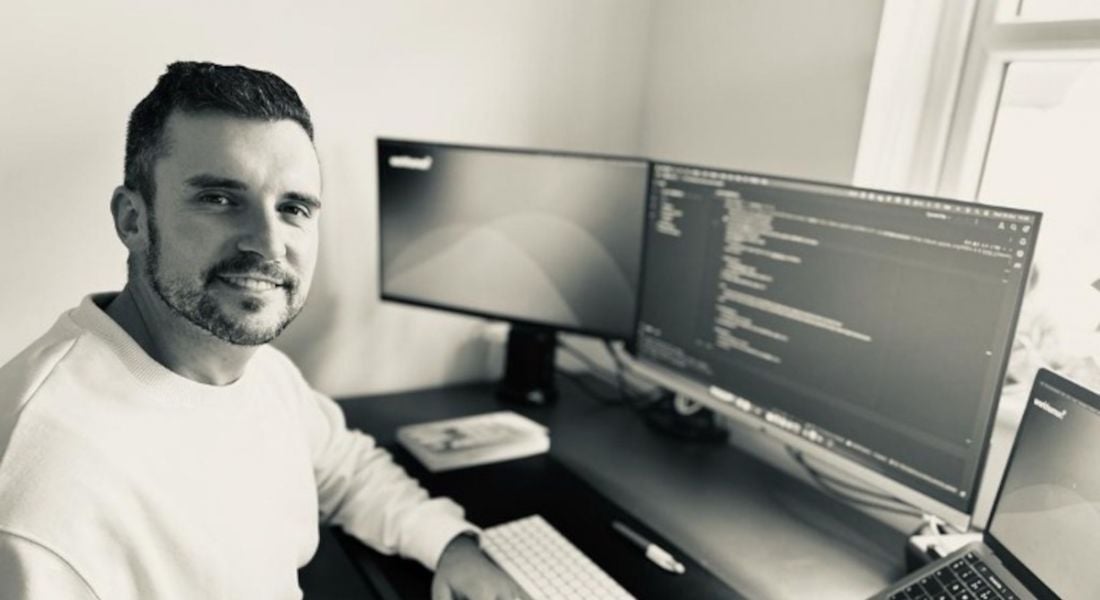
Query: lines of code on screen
x=872, y=323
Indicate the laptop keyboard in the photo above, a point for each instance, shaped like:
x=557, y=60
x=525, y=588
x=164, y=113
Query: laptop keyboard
x=965, y=578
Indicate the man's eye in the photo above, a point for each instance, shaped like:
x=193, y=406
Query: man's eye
x=297, y=210
x=216, y=199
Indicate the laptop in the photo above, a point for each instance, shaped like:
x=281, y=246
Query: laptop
x=1043, y=538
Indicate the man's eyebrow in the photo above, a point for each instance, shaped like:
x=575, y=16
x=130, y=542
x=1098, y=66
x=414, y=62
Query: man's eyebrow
x=213, y=181
x=204, y=181
x=304, y=199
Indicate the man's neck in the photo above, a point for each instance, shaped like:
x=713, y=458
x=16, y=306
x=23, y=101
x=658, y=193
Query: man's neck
x=175, y=342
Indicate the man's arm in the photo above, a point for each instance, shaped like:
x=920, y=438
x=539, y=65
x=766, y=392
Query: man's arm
x=361, y=489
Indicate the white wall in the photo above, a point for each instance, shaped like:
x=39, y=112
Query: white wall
x=772, y=87
x=769, y=86
x=565, y=74
x=758, y=85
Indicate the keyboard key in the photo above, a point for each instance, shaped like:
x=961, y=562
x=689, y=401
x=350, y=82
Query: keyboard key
x=932, y=588
x=945, y=578
x=977, y=585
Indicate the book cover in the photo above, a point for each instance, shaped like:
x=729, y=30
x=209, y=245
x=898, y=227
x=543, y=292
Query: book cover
x=474, y=440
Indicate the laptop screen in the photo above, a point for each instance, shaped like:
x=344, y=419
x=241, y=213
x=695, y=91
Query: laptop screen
x=1048, y=510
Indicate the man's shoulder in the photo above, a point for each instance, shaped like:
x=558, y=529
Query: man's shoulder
x=48, y=391
x=24, y=375
x=24, y=381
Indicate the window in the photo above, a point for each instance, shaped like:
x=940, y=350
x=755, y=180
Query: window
x=999, y=102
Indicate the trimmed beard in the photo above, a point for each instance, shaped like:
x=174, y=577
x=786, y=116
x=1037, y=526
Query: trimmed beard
x=203, y=310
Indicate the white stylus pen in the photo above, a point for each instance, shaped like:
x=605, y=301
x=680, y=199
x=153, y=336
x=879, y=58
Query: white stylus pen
x=656, y=554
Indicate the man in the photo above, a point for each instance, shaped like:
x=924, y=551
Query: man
x=151, y=444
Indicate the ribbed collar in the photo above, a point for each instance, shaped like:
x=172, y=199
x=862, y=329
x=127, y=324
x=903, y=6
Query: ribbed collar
x=164, y=382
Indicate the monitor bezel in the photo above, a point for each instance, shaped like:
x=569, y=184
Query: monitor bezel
x=598, y=332
x=961, y=519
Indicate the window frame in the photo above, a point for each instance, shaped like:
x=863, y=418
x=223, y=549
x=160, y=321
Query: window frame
x=935, y=85
x=999, y=39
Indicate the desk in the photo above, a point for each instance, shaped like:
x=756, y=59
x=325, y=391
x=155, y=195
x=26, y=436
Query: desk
x=758, y=530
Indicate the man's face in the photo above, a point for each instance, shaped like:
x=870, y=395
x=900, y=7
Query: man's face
x=234, y=225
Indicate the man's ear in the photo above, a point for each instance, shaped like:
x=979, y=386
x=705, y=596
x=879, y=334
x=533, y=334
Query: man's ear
x=128, y=209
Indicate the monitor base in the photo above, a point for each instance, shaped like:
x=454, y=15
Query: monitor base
x=677, y=416
x=933, y=540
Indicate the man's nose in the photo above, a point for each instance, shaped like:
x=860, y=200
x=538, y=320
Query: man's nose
x=263, y=235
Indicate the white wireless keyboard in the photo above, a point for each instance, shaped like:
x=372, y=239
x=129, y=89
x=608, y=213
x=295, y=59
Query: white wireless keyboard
x=546, y=565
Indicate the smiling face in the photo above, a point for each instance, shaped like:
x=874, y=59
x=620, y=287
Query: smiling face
x=233, y=229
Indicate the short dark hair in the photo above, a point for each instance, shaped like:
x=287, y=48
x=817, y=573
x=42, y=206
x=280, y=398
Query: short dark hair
x=198, y=87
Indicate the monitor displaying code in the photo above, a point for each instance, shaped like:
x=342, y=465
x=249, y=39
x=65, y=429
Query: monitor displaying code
x=873, y=324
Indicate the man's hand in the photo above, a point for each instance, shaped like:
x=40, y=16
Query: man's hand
x=464, y=573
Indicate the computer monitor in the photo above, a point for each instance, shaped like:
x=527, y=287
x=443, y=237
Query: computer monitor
x=548, y=241
x=870, y=329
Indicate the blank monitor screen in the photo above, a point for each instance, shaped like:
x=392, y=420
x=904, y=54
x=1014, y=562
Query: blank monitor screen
x=538, y=238
x=871, y=324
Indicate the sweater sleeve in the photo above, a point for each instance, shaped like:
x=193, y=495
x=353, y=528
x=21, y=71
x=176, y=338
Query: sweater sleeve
x=30, y=571
x=362, y=490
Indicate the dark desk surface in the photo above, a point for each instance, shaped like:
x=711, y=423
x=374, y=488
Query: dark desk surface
x=760, y=531
x=497, y=493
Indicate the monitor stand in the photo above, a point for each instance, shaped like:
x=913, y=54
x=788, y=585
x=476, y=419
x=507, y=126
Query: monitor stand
x=529, y=366
x=680, y=417
x=932, y=540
